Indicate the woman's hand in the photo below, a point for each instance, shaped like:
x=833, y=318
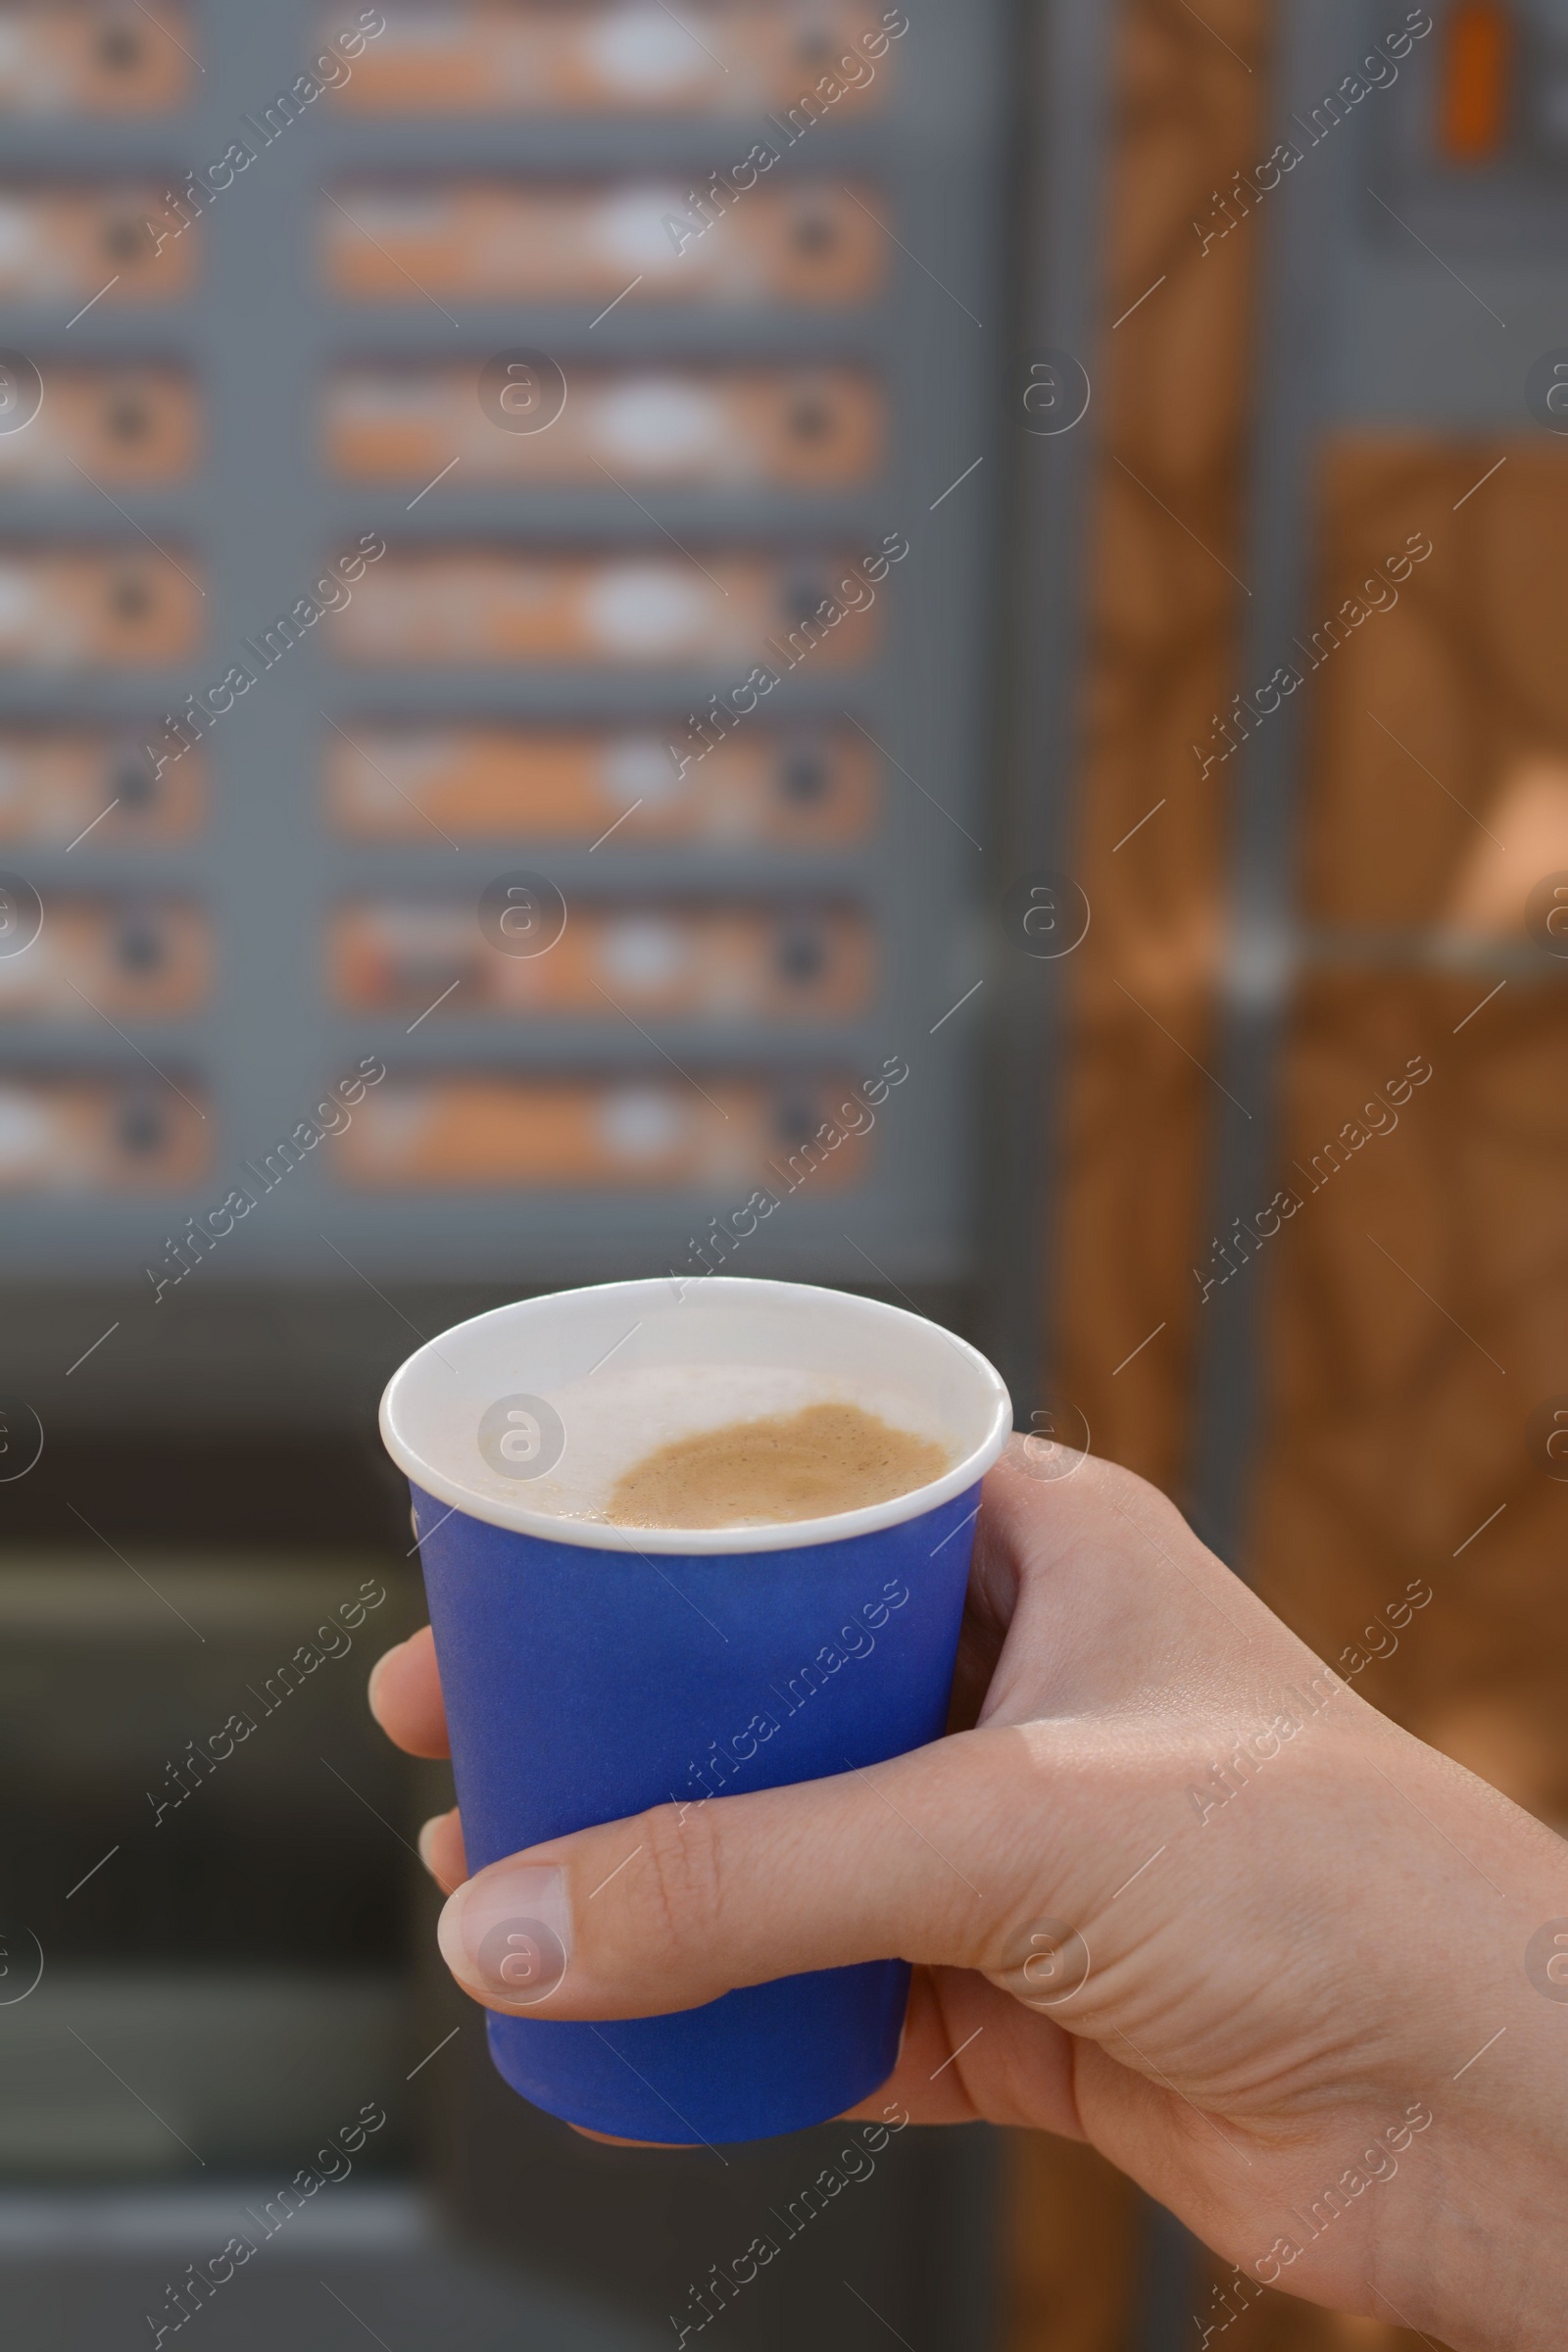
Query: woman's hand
x=1176, y=1890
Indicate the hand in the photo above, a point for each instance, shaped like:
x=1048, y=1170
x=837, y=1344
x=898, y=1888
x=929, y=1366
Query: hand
x=1176, y=1889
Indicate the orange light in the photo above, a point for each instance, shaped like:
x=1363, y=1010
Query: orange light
x=1477, y=81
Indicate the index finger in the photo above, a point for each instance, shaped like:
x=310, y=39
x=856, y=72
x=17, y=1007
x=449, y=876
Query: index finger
x=405, y=1695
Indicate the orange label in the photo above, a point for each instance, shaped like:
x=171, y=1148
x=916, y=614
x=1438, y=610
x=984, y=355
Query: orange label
x=641, y=241
x=476, y=1133
x=66, y=608
x=819, y=428
x=90, y=1135
x=141, y=959
x=95, y=57
x=596, y=786
x=432, y=958
x=91, y=245
x=625, y=57
x=610, y=611
x=1478, y=69
x=123, y=425
x=58, y=787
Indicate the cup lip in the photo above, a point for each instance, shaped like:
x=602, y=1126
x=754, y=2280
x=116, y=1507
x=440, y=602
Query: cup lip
x=791, y=1535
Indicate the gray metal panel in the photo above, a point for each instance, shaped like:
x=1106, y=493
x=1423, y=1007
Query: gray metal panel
x=264, y=516
x=1305, y=229
x=1366, y=325
x=1451, y=279
x=1065, y=95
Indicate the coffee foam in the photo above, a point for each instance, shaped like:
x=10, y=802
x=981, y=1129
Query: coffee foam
x=613, y=1420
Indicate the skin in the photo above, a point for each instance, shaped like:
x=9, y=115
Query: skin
x=1281, y=1983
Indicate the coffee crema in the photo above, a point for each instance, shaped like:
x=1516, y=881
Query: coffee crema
x=809, y=1464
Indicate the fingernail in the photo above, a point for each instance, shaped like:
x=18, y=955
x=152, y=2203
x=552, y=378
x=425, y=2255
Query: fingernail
x=508, y=1933
x=378, y=1670
x=426, y=1839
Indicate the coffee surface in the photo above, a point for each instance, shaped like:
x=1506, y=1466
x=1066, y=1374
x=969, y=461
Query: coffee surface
x=782, y=1466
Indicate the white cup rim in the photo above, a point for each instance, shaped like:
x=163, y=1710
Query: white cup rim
x=793, y=1535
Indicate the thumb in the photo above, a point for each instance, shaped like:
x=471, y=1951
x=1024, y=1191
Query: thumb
x=911, y=1859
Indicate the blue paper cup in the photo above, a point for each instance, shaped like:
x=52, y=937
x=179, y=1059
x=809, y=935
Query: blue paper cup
x=592, y=1669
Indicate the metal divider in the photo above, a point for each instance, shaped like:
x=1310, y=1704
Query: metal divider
x=1260, y=951
x=1062, y=145
x=1259, y=956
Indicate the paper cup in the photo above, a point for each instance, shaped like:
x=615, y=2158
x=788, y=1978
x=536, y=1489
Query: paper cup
x=593, y=1670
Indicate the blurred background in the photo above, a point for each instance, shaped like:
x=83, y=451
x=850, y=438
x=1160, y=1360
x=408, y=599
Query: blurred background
x=575, y=580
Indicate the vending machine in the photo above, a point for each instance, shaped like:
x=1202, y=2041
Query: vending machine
x=495, y=703
x=498, y=523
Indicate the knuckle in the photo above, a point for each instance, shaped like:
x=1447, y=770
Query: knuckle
x=1047, y=1965
x=1147, y=1504
x=680, y=1884
x=1126, y=1487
